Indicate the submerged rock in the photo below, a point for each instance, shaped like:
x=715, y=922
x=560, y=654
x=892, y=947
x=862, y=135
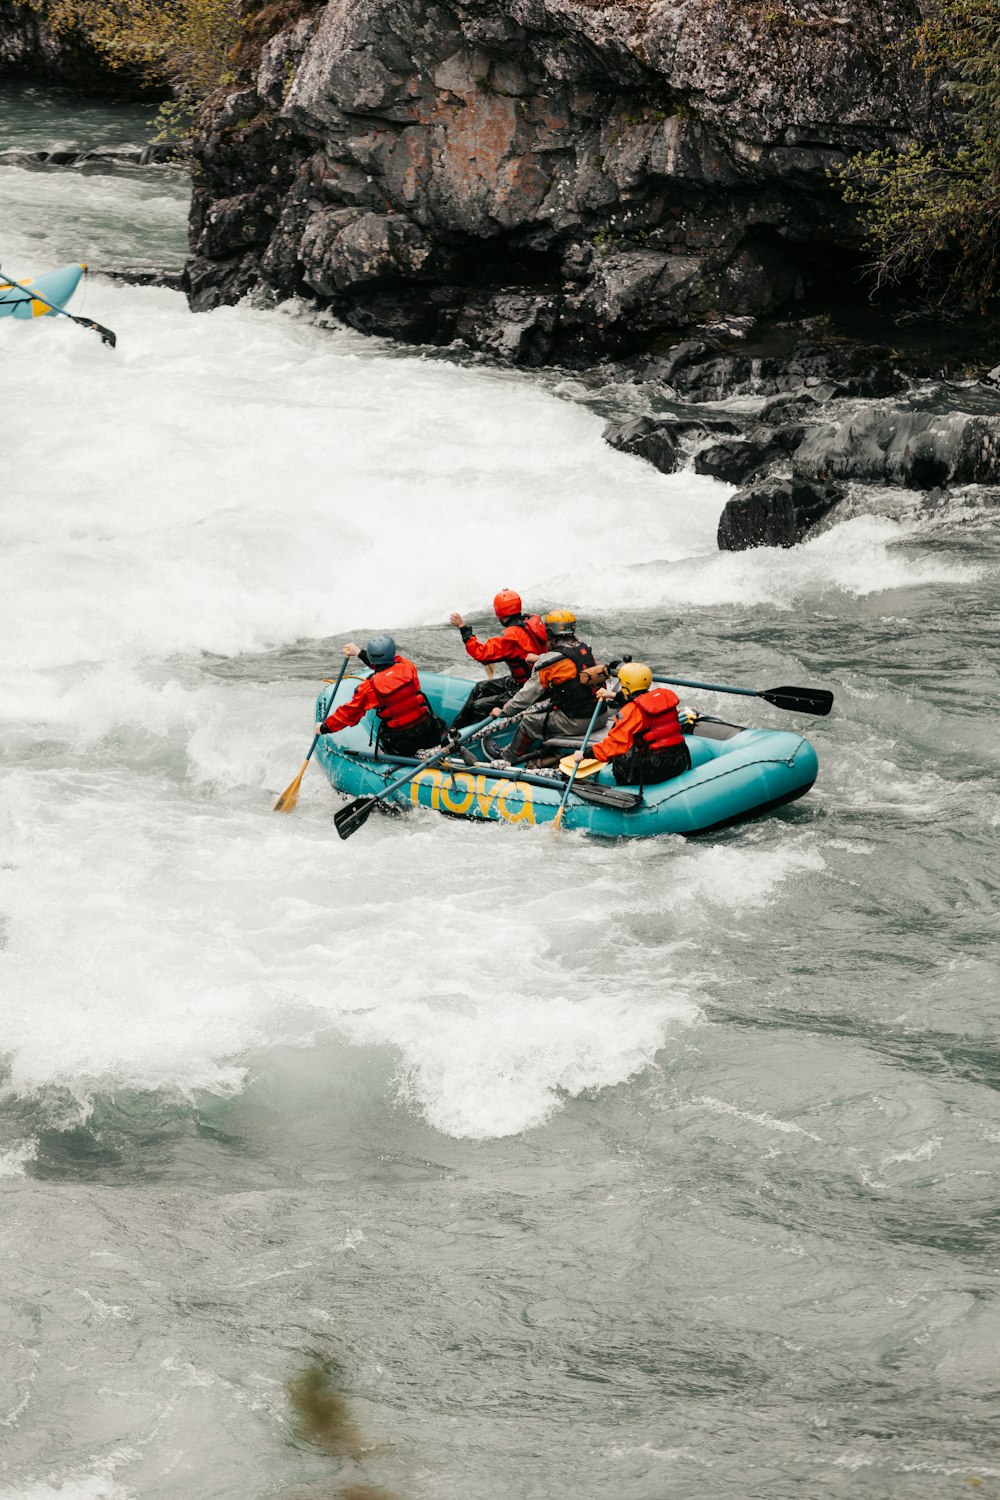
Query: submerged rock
x=775, y=513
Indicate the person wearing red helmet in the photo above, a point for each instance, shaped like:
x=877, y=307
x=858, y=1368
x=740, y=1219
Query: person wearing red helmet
x=521, y=641
x=565, y=685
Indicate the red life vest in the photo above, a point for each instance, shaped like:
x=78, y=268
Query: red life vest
x=529, y=634
x=400, y=704
x=661, y=727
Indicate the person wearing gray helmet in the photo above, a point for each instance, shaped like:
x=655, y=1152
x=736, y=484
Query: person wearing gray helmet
x=407, y=723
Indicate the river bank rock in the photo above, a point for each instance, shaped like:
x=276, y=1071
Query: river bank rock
x=568, y=179
x=914, y=449
x=661, y=440
x=737, y=459
x=775, y=513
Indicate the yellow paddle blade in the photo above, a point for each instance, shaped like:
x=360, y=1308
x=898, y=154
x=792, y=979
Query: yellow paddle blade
x=587, y=767
x=286, y=802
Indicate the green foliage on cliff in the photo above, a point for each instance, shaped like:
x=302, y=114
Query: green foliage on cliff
x=182, y=43
x=933, y=212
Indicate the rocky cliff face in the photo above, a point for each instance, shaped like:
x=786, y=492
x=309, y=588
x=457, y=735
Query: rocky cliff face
x=548, y=179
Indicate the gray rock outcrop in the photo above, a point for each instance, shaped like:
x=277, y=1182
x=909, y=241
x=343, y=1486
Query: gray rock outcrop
x=548, y=179
x=915, y=449
x=775, y=513
x=30, y=47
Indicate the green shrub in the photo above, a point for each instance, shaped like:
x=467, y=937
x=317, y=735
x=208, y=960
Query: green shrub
x=932, y=212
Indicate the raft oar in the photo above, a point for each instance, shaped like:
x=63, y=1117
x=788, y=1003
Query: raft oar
x=350, y=818
x=290, y=796
x=795, y=700
x=107, y=337
x=557, y=820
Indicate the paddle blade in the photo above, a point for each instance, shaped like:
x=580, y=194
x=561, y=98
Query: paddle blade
x=107, y=337
x=586, y=767
x=286, y=802
x=352, y=817
x=799, y=700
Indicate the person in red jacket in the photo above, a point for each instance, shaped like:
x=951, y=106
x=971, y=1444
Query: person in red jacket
x=565, y=685
x=645, y=744
x=393, y=691
x=521, y=641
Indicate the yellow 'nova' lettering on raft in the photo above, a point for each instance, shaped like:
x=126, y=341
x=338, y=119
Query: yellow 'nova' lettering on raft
x=457, y=792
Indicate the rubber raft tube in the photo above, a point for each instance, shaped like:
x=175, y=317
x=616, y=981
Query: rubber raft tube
x=18, y=299
x=736, y=774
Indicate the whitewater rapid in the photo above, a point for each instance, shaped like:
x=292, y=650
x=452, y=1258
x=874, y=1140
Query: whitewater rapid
x=573, y=1168
x=235, y=485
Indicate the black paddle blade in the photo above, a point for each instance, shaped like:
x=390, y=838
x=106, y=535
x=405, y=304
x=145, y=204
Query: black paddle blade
x=799, y=700
x=352, y=817
x=107, y=337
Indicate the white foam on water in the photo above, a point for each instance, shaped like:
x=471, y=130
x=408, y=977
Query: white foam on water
x=86, y=1487
x=97, y=1484
x=92, y=217
x=157, y=940
x=861, y=557
x=227, y=482
x=233, y=480
x=739, y=878
x=14, y=1160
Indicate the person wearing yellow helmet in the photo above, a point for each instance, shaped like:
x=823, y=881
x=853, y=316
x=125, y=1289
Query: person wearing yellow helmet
x=564, y=682
x=645, y=745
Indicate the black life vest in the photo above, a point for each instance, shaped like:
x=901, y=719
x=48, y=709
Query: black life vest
x=573, y=697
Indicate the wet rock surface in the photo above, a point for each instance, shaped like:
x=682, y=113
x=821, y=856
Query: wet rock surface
x=664, y=441
x=794, y=451
x=775, y=513
x=734, y=460
x=914, y=449
x=551, y=180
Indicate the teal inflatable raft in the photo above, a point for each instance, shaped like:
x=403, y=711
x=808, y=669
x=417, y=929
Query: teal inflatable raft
x=735, y=774
x=20, y=299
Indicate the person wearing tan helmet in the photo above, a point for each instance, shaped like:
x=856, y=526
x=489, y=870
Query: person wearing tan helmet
x=564, y=682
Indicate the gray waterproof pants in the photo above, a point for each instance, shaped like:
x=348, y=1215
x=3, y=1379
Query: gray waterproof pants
x=552, y=723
